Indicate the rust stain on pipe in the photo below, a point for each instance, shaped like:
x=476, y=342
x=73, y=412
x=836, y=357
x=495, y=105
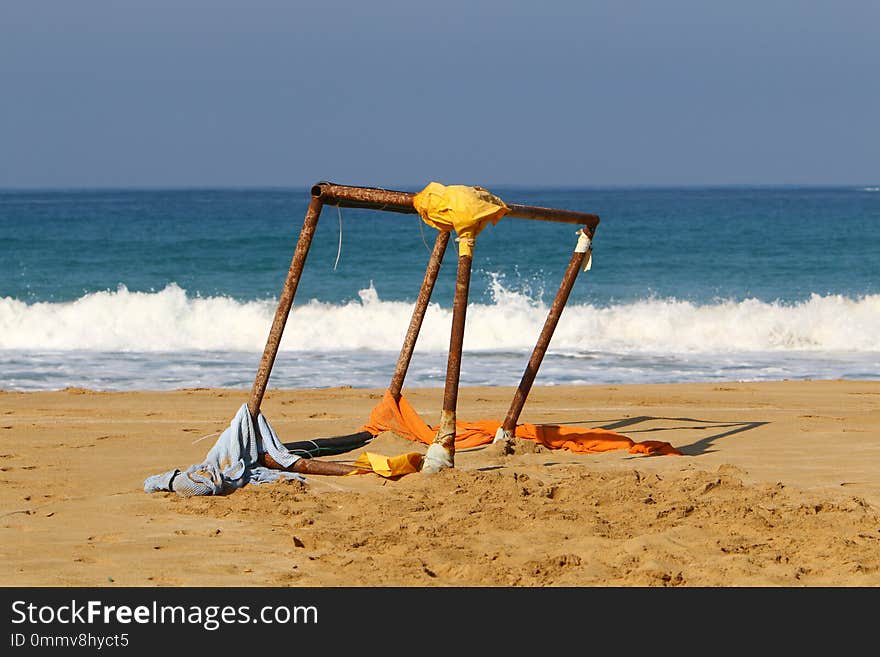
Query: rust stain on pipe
x=418, y=316
x=285, y=302
x=577, y=261
x=446, y=431
x=311, y=466
x=372, y=198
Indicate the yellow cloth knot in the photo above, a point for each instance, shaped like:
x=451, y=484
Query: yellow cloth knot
x=466, y=210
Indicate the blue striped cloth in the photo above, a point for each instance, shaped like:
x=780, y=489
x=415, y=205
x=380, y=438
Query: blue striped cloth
x=232, y=462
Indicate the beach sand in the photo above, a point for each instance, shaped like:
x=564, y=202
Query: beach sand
x=778, y=485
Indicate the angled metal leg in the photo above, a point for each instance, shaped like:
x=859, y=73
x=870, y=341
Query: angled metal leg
x=578, y=259
x=418, y=316
x=285, y=302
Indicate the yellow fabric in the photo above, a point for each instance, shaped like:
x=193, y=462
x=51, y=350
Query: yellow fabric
x=386, y=466
x=466, y=210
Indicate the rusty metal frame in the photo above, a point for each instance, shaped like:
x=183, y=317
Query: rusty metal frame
x=375, y=198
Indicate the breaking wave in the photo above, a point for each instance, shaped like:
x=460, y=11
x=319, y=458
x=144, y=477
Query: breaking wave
x=171, y=320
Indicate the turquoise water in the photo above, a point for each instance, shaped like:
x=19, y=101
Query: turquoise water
x=162, y=289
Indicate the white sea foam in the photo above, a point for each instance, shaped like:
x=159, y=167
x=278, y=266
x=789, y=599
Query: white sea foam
x=170, y=320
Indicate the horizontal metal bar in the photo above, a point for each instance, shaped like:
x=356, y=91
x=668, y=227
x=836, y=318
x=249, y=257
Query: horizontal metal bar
x=552, y=214
x=372, y=198
x=375, y=198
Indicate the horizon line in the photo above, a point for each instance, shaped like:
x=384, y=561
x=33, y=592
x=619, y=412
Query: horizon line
x=400, y=186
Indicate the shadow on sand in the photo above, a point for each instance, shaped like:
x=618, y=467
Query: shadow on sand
x=701, y=446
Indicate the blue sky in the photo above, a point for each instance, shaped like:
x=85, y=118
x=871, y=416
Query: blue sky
x=186, y=93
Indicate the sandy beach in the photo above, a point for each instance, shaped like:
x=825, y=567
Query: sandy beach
x=777, y=485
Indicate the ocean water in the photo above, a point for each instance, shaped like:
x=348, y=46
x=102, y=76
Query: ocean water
x=164, y=289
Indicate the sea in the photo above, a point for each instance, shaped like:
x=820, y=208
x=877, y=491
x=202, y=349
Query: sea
x=160, y=289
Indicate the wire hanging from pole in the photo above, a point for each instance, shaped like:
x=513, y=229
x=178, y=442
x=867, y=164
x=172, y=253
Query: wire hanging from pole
x=338, y=248
x=422, y=231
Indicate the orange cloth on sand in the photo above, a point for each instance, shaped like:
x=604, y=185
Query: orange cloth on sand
x=402, y=419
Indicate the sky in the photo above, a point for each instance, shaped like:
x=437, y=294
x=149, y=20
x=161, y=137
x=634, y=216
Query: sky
x=97, y=94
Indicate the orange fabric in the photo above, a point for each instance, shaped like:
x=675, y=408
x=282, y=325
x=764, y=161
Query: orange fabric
x=402, y=419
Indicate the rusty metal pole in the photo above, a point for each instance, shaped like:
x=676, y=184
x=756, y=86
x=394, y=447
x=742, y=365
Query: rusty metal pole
x=441, y=453
x=579, y=258
x=285, y=301
x=418, y=316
